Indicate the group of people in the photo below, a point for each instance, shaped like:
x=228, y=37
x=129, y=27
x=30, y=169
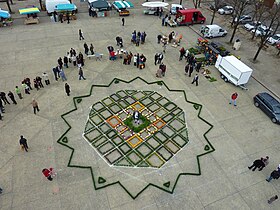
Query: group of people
x=26, y=86
x=263, y=162
x=138, y=37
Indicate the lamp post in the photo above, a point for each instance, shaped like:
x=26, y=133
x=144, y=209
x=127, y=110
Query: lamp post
x=181, y=2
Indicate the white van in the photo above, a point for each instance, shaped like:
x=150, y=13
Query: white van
x=50, y=4
x=175, y=7
x=210, y=31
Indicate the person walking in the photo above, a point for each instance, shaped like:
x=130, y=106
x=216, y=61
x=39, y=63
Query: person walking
x=233, y=98
x=39, y=82
x=67, y=89
x=274, y=198
x=25, y=87
x=257, y=164
x=18, y=92
x=274, y=175
x=81, y=74
x=187, y=67
x=81, y=35
x=61, y=17
x=156, y=58
x=164, y=46
x=182, y=53
x=35, y=106
x=122, y=21
x=160, y=58
x=46, y=78
x=23, y=143
x=190, y=70
x=195, y=80
x=4, y=98
x=49, y=173
x=12, y=97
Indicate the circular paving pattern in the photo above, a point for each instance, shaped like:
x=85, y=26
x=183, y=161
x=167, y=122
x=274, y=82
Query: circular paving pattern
x=111, y=131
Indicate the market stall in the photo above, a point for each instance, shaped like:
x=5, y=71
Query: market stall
x=122, y=6
x=5, y=18
x=31, y=13
x=153, y=8
x=66, y=9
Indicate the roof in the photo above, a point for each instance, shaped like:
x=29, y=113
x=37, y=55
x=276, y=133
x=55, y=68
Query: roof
x=4, y=14
x=99, y=4
x=27, y=11
x=65, y=7
x=155, y=4
x=242, y=67
x=123, y=4
x=213, y=26
x=188, y=10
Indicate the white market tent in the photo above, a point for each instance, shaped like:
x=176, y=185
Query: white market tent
x=155, y=4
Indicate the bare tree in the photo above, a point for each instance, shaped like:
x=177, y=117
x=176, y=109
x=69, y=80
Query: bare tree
x=274, y=20
x=216, y=6
x=240, y=7
x=260, y=12
x=196, y=3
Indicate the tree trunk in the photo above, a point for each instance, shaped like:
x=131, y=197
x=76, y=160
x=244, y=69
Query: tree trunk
x=8, y=4
x=233, y=33
x=213, y=16
x=278, y=52
x=259, y=50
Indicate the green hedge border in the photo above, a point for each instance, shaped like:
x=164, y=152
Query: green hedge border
x=63, y=140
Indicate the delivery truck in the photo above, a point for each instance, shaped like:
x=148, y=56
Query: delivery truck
x=189, y=17
x=233, y=70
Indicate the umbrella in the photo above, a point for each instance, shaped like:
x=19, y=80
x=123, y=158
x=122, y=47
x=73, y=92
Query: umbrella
x=123, y=4
x=4, y=14
x=27, y=11
x=99, y=4
x=65, y=7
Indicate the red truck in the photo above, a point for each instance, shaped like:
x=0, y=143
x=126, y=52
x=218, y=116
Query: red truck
x=189, y=17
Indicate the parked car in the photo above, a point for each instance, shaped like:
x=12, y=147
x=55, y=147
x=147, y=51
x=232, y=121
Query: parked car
x=269, y=105
x=175, y=7
x=226, y=10
x=252, y=25
x=262, y=30
x=210, y=31
x=244, y=19
x=212, y=6
x=274, y=40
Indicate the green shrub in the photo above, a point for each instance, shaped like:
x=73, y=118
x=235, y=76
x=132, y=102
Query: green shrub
x=129, y=123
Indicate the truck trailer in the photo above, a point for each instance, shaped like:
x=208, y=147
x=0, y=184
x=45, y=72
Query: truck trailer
x=233, y=70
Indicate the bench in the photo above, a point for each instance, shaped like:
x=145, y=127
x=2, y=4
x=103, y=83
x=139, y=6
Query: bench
x=95, y=55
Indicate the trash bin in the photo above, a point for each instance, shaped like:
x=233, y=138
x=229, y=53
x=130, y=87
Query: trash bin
x=237, y=44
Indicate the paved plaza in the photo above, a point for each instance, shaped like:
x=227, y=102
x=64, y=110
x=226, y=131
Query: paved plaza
x=190, y=150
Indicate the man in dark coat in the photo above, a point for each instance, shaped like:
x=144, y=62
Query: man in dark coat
x=257, y=164
x=12, y=97
x=67, y=89
x=4, y=98
x=23, y=143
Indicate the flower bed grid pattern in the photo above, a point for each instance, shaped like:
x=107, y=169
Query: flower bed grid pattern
x=121, y=146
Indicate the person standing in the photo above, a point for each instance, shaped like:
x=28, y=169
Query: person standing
x=67, y=89
x=123, y=21
x=68, y=17
x=46, y=78
x=91, y=49
x=86, y=48
x=81, y=36
x=233, y=98
x=55, y=73
x=182, y=53
x=55, y=16
x=257, y=164
x=81, y=74
x=12, y=97
x=159, y=37
x=25, y=87
x=164, y=47
x=190, y=70
x=187, y=67
x=65, y=61
x=35, y=106
x=156, y=58
x=61, y=17
x=4, y=98
x=39, y=82
x=195, y=80
x=62, y=75
x=23, y=143
x=18, y=92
